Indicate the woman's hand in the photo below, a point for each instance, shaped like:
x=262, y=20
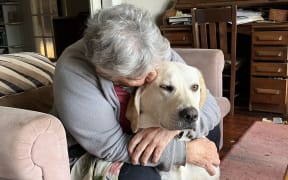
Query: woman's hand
x=149, y=143
x=203, y=152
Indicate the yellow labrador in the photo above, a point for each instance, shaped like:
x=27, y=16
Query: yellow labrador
x=172, y=101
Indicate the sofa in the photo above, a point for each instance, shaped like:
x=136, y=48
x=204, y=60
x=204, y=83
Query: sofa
x=33, y=143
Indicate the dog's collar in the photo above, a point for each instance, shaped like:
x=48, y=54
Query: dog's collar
x=130, y=90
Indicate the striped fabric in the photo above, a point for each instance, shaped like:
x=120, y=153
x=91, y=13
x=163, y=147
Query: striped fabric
x=23, y=71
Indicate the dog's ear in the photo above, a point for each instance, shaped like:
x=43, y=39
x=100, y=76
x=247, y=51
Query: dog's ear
x=202, y=90
x=133, y=110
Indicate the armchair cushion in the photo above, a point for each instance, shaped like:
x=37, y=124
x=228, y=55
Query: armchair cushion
x=26, y=81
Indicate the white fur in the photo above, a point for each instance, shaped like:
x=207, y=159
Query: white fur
x=155, y=106
x=189, y=172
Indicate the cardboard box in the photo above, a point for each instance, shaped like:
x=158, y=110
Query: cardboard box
x=278, y=15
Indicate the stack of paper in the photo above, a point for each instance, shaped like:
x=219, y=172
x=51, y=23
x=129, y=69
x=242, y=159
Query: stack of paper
x=180, y=18
x=185, y=19
x=247, y=16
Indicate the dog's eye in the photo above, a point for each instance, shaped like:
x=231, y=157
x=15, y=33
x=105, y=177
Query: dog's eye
x=195, y=87
x=167, y=87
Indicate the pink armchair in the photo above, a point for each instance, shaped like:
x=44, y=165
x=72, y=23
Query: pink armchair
x=33, y=144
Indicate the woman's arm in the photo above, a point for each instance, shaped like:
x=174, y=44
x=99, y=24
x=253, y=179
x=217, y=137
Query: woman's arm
x=86, y=113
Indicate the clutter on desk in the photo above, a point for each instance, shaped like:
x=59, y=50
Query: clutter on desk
x=243, y=16
x=180, y=18
x=247, y=16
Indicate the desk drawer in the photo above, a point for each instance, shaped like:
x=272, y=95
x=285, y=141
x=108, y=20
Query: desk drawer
x=179, y=38
x=269, y=69
x=269, y=53
x=270, y=91
x=270, y=38
x=275, y=108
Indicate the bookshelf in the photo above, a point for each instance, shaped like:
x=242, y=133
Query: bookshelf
x=11, y=26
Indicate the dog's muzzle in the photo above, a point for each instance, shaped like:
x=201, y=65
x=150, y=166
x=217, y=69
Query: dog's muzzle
x=189, y=114
x=188, y=117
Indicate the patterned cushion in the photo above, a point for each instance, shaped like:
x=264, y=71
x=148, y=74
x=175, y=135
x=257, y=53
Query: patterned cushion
x=24, y=71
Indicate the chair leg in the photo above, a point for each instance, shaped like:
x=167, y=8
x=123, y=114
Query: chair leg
x=232, y=88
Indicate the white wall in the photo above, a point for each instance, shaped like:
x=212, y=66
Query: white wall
x=109, y=3
x=156, y=7
x=94, y=6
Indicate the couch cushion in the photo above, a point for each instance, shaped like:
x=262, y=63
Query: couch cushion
x=26, y=81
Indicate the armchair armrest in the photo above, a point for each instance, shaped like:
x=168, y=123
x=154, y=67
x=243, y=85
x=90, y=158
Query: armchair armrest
x=211, y=64
x=33, y=146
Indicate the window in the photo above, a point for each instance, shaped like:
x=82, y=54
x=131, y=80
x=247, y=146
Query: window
x=42, y=12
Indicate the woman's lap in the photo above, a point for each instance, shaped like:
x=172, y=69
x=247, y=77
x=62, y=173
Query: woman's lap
x=132, y=172
x=215, y=135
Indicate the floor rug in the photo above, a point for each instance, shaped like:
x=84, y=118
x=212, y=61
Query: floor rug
x=261, y=153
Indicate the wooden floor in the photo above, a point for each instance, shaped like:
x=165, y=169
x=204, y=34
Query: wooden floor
x=235, y=126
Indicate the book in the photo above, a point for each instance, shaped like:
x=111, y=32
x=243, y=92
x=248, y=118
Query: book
x=185, y=19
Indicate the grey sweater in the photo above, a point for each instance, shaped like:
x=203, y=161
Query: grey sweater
x=89, y=108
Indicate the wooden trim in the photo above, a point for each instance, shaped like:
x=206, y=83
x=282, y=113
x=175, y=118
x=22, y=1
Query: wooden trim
x=286, y=174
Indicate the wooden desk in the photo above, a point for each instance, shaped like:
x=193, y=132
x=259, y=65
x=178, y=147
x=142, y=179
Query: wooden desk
x=269, y=68
x=187, y=4
x=286, y=174
x=178, y=35
x=181, y=36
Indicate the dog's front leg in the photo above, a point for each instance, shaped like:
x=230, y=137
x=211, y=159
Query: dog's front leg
x=174, y=174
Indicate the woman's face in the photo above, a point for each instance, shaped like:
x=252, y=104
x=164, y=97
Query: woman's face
x=138, y=81
x=132, y=82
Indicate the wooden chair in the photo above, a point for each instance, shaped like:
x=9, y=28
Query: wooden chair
x=216, y=28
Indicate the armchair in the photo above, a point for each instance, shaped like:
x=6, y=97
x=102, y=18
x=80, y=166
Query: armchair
x=33, y=144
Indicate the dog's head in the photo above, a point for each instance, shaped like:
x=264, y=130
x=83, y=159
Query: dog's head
x=171, y=101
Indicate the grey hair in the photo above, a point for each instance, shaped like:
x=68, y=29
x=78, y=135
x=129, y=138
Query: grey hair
x=124, y=41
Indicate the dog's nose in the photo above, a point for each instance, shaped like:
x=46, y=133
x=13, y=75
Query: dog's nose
x=189, y=114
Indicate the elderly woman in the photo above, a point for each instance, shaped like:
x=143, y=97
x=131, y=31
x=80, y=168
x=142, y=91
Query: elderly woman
x=120, y=50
